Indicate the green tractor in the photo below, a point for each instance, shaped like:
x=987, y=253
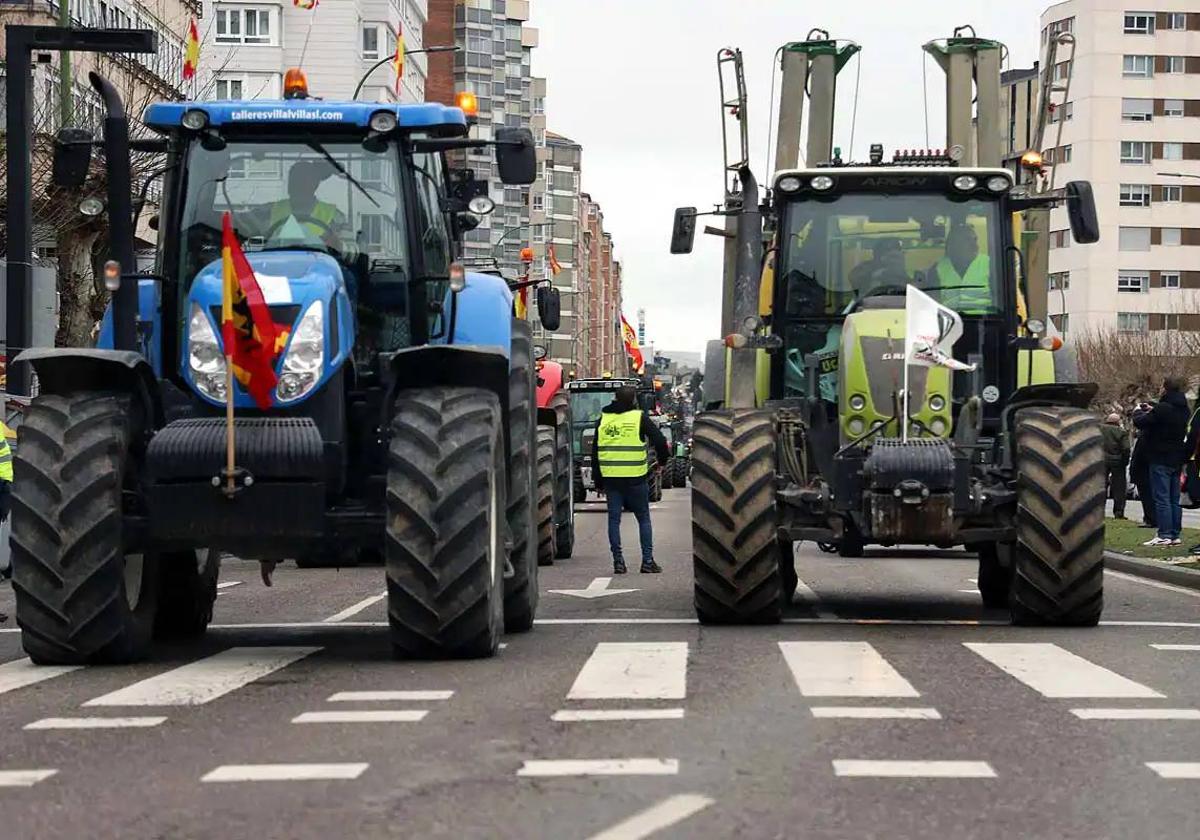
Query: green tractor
x=819, y=427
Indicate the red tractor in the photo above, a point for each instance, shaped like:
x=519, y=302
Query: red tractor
x=555, y=473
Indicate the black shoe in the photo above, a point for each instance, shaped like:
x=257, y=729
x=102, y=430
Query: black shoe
x=1147, y=525
x=651, y=568
x=619, y=567
x=1118, y=516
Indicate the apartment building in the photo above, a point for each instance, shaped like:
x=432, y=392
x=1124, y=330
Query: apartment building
x=1131, y=127
x=246, y=47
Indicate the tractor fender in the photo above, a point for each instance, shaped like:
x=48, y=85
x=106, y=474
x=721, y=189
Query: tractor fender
x=61, y=370
x=433, y=365
x=1068, y=394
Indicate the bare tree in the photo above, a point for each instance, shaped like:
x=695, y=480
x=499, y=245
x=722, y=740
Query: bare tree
x=1130, y=366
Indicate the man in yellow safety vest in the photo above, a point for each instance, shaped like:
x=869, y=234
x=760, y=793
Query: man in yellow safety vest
x=961, y=279
x=318, y=218
x=6, y=477
x=622, y=466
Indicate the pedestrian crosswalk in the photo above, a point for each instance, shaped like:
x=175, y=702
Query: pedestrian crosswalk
x=834, y=686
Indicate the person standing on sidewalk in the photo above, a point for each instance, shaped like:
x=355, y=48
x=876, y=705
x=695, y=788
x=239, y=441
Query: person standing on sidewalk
x=1116, y=461
x=1165, y=429
x=619, y=452
x=1139, y=474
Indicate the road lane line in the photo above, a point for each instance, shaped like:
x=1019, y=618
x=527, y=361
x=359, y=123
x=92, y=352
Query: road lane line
x=914, y=769
x=1137, y=714
x=96, y=723
x=1175, y=769
x=545, y=768
x=669, y=812
x=1157, y=584
x=1176, y=647
x=22, y=672
x=284, y=772
x=367, y=716
x=389, y=696
x=1054, y=672
x=24, y=778
x=586, y=715
x=843, y=669
x=228, y=584
x=355, y=609
x=875, y=712
x=205, y=680
x=633, y=671
x=809, y=598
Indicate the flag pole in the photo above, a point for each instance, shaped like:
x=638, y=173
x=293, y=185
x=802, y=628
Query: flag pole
x=904, y=403
x=229, y=439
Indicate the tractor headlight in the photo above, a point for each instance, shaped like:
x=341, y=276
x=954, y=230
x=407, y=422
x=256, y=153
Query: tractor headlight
x=966, y=183
x=937, y=402
x=305, y=356
x=194, y=119
x=857, y=402
x=937, y=426
x=205, y=359
x=789, y=184
x=856, y=426
x=383, y=121
x=822, y=183
x=997, y=183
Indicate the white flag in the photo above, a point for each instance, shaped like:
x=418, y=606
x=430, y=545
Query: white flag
x=930, y=332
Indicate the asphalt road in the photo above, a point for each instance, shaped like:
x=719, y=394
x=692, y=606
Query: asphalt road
x=888, y=705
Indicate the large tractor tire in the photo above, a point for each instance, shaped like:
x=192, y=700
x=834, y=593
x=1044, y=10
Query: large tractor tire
x=80, y=598
x=669, y=478
x=444, y=549
x=734, y=550
x=545, y=495
x=521, y=588
x=656, y=486
x=1058, y=575
x=564, y=479
x=187, y=591
x=578, y=491
x=995, y=574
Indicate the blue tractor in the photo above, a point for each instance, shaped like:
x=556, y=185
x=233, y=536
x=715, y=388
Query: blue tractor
x=403, y=422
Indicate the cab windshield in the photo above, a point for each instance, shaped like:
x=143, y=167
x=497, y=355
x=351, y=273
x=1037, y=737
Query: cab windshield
x=585, y=411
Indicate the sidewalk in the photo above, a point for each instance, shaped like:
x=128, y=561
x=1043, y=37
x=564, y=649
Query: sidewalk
x=1133, y=510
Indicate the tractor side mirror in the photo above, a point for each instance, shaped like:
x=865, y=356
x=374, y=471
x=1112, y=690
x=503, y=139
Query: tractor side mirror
x=1081, y=211
x=467, y=220
x=683, y=234
x=516, y=157
x=72, y=157
x=549, y=304
x=539, y=352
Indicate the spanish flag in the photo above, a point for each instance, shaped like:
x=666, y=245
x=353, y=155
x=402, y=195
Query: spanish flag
x=398, y=61
x=305, y=4
x=521, y=303
x=191, y=53
x=251, y=337
x=631, y=347
x=555, y=268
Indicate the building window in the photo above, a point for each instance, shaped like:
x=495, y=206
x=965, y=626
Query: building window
x=1172, y=107
x=1172, y=236
x=1060, y=281
x=1174, y=64
x=539, y=202
x=1171, y=321
x=1139, y=23
x=1137, y=110
x=245, y=24
x=1135, y=151
x=539, y=105
x=1172, y=194
x=1065, y=111
x=228, y=89
x=1062, y=71
x=1133, y=321
x=1135, y=195
x=371, y=41
x=1133, y=281
x=1176, y=21
x=1065, y=156
x=1170, y=280
x=1060, y=239
x=1062, y=322
x=1139, y=67
x=1133, y=239
x=246, y=86
x=1172, y=151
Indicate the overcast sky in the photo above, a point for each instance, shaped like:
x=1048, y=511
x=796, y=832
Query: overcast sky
x=634, y=81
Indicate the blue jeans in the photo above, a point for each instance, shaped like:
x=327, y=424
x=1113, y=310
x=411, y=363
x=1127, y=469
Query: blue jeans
x=1164, y=484
x=633, y=496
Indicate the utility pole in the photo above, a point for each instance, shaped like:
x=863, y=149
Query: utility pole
x=65, y=100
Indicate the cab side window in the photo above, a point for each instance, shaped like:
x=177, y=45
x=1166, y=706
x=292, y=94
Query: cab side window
x=431, y=218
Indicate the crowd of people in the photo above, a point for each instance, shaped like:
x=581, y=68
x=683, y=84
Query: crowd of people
x=1160, y=460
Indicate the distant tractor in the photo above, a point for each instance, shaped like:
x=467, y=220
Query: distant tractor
x=556, y=509
x=401, y=420
x=587, y=399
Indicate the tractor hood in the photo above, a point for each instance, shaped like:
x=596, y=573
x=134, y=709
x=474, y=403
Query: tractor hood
x=292, y=282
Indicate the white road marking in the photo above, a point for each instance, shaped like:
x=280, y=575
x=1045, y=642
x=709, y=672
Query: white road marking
x=96, y=723
x=806, y=595
x=633, y=671
x=1176, y=647
x=541, y=768
x=915, y=769
x=598, y=588
x=22, y=672
x=284, y=772
x=669, y=812
x=1157, y=584
x=355, y=609
x=1137, y=714
x=24, y=778
x=389, y=696
x=1054, y=672
x=970, y=591
x=205, y=680
x=1175, y=769
x=876, y=712
x=584, y=715
x=973, y=580
x=228, y=584
x=368, y=716
x=843, y=669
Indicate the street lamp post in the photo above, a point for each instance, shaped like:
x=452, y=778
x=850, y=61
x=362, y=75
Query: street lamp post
x=390, y=58
x=1177, y=175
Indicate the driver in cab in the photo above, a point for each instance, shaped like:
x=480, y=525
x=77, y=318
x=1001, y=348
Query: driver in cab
x=885, y=270
x=317, y=218
x=961, y=278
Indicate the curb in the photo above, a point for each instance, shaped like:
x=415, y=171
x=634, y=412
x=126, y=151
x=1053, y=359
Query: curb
x=1152, y=569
